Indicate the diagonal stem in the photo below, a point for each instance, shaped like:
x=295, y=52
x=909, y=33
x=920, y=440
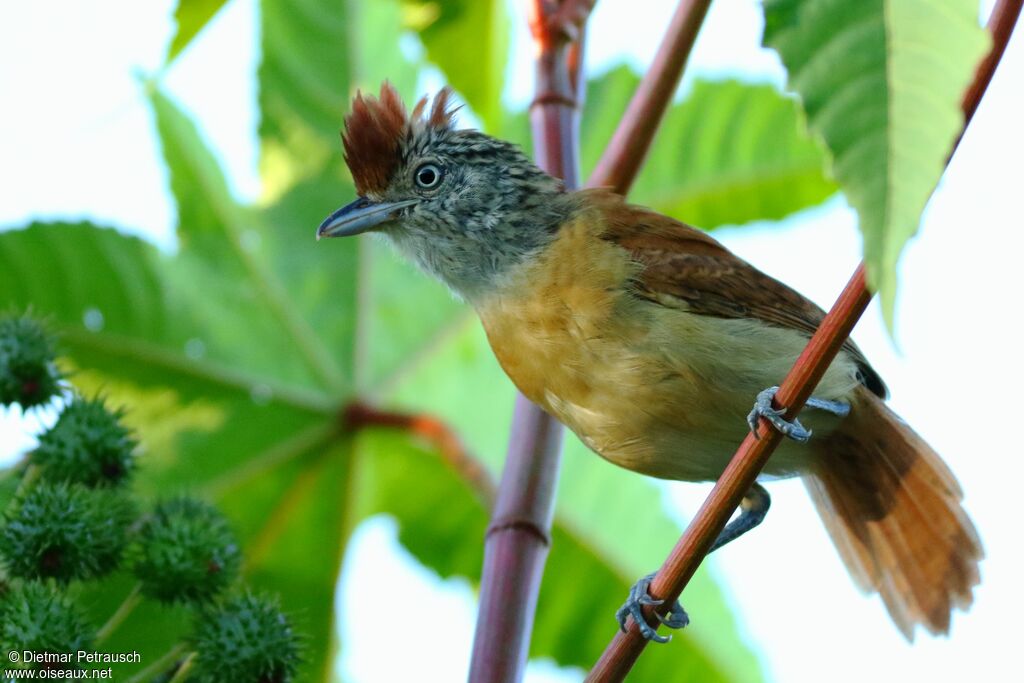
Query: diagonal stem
x=123, y=612
x=161, y=665
x=625, y=648
x=621, y=161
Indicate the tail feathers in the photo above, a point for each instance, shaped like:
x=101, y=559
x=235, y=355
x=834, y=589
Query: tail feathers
x=893, y=510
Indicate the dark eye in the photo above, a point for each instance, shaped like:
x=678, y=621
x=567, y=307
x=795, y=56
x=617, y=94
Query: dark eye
x=428, y=176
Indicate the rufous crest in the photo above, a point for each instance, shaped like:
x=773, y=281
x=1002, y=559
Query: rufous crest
x=375, y=128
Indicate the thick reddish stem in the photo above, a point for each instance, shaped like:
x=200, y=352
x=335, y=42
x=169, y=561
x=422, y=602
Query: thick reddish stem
x=516, y=548
x=518, y=537
x=625, y=648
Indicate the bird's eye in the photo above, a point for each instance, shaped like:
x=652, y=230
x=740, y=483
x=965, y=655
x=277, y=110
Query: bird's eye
x=428, y=176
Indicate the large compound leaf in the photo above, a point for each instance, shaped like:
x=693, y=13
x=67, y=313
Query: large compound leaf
x=730, y=153
x=469, y=41
x=881, y=82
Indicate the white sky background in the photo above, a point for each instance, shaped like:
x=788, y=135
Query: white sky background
x=77, y=141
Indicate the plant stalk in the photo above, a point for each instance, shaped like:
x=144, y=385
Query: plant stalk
x=518, y=536
x=161, y=665
x=625, y=648
x=123, y=611
x=181, y=675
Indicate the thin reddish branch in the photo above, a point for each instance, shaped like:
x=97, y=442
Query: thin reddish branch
x=620, y=655
x=624, y=155
x=625, y=648
x=518, y=537
x=1000, y=25
x=435, y=432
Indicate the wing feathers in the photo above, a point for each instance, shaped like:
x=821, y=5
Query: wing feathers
x=689, y=268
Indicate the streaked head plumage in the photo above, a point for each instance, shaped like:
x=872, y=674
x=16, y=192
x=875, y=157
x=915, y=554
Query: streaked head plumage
x=460, y=204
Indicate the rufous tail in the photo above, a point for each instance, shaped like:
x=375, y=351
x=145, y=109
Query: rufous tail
x=893, y=510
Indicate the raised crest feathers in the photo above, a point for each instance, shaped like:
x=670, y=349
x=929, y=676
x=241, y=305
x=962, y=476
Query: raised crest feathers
x=375, y=128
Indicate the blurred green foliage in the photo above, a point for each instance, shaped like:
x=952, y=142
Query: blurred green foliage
x=237, y=352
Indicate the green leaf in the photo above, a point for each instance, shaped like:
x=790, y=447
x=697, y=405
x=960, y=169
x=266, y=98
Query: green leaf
x=305, y=79
x=215, y=230
x=730, y=153
x=469, y=41
x=444, y=525
x=295, y=551
x=881, y=83
x=151, y=629
x=315, y=53
x=191, y=16
x=111, y=293
x=330, y=285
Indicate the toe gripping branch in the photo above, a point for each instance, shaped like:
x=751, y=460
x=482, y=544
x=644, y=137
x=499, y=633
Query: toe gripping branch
x=752, y=512
x=633, y=607
x=763, y=408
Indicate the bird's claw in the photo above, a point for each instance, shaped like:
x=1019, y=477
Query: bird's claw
x=633, y=607
x=763, y=408
x=794, y=430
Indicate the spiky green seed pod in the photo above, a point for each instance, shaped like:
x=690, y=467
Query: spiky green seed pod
x=65, y=531
x=39, y=618
x=245, y=639
x=87, y=444
x=185, y=552
x=28, y=373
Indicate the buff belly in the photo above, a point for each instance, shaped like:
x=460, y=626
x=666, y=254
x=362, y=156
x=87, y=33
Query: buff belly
x=652, y=388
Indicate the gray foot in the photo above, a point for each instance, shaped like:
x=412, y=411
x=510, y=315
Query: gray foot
x=794, y=430
x=638, y=597
x=752, y=512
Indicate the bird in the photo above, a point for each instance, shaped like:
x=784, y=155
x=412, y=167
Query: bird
x=650, y=340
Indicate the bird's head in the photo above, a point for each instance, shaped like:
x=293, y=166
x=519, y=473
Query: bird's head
x=463, y=206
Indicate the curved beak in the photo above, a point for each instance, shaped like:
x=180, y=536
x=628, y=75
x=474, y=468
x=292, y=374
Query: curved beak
x=360, y=216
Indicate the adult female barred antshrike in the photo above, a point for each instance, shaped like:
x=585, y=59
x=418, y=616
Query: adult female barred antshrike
x=649, y=339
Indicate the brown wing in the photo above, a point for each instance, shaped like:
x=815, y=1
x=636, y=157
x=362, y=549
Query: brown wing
x=682, y=264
